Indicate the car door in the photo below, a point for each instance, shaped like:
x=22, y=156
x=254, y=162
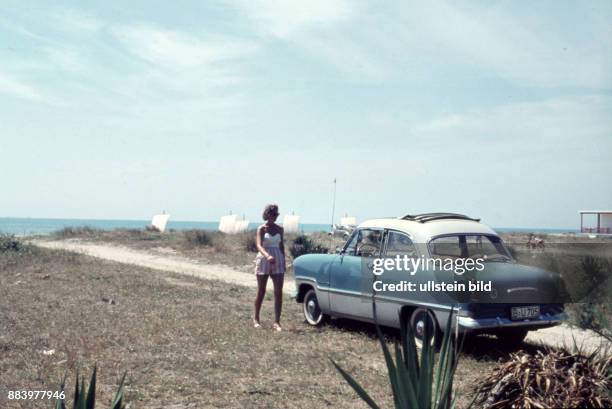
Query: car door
x=388, y=304
x=351, y=277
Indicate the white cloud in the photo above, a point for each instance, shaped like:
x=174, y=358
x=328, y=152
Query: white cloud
x=69, y=18
x=64, y=58
x=16, y=88
x=283, y=18
x=175, y=49
x=565, y=126
x=189, y=84
x=536, y=51
x=16, y=28
x=376, y=41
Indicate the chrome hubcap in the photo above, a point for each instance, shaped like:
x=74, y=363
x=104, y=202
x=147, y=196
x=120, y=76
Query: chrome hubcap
x=420, y=329
x=312, y=309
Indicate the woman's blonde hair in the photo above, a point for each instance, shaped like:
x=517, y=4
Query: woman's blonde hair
x=268, y=210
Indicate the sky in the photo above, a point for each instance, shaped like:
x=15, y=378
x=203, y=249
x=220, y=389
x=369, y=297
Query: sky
x=119, y=110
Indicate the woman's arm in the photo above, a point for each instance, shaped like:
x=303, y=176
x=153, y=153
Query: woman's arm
x=259, y=240
x=282, y=242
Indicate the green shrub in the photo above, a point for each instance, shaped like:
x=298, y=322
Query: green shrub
x=80, y=231
x=249, y=240
x=8, y=242
x=88, y=401
x=597, y=271
x=595, y=313
x=302, y=244
x=415, y=384
x=593, y=316
x=197, y=237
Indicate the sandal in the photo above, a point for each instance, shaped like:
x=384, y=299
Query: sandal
x=256, y=323
x=276, y=327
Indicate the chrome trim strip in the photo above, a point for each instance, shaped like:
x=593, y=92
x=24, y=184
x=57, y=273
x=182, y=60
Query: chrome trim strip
x=415, y=303
x=326, y=288
x=348, y=292
x=310, y=280
x=378, y=297
x=497, y=322
x=511, y=290
x=305, y=278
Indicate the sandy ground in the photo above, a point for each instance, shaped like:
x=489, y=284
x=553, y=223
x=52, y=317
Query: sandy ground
x=168, y=261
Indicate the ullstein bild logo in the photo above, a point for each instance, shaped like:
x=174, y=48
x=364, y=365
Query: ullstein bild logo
x=411, y=265
x=432, y=286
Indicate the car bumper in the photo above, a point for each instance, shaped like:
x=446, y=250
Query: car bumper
x=544, y=320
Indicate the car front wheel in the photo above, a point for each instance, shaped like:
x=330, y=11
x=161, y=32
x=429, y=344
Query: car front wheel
x=312, y=310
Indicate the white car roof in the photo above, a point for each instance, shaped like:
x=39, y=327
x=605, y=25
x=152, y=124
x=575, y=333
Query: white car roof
x=423, y=232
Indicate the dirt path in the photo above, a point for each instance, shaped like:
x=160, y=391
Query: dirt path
x=164, y=262
x=556, y=336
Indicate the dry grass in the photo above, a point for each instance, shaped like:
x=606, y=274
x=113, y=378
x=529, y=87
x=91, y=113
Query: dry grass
x=183, y=341
x=550, y=379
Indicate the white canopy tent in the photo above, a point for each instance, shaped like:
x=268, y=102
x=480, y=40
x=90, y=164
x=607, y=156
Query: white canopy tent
x=291, y=223
x=241, y=226
x=160, y=221
x=227, y=224
x=231, y=225
x=348, y=221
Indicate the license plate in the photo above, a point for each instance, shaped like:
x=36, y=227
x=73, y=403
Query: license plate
x=521, y=313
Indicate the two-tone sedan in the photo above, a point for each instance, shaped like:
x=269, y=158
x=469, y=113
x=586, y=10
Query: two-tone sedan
x=497, y=296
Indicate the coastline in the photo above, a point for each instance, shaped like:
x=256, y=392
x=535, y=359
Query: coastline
x=24, y=226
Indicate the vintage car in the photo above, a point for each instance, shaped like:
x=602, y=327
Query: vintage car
x=341, y=230
x=517, y=299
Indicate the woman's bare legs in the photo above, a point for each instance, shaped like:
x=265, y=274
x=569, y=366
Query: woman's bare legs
x=277, y=280
x=262, y=281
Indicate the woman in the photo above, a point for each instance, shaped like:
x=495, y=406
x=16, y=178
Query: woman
x=270, y=261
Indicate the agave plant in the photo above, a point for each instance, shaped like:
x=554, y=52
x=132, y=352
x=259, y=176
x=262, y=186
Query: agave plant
x=88, y=401
x=416, y=384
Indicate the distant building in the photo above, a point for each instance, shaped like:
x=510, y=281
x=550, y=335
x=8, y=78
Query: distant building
x=604, y=221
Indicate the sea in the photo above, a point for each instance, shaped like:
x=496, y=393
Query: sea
x=19, y=226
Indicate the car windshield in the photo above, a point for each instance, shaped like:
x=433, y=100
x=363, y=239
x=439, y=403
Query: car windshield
x=487, y=247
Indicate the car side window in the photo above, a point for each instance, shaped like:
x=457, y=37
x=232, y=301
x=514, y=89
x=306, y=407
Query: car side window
x=399, y=244
x=351, y=244
x=369, y=242
x=448, y=246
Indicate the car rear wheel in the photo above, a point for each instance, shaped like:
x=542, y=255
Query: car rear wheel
x=312, y=310
x=423, y=320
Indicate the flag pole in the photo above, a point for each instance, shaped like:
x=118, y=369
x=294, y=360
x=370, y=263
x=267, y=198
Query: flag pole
x=331, y=232
x=333, y=205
